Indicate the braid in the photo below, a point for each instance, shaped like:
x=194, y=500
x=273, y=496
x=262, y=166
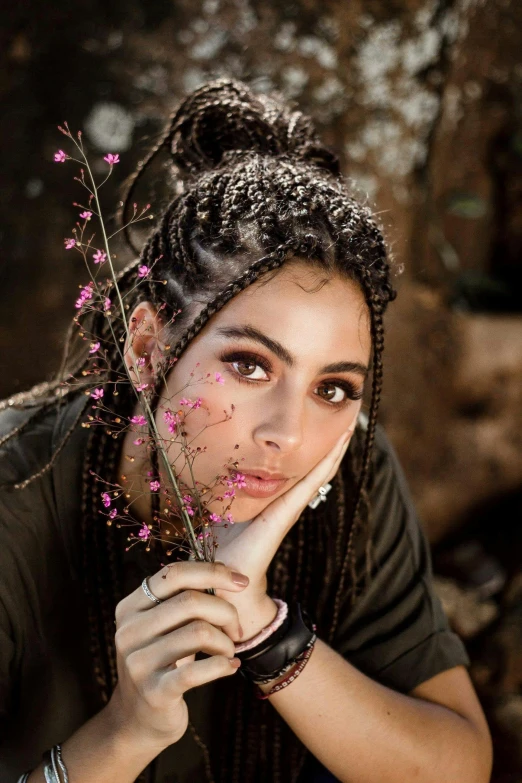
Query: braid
x=132, y=181
x=377, y=330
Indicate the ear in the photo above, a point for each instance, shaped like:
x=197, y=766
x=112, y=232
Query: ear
x=143, y=346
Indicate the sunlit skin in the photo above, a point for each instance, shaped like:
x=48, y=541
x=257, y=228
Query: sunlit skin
x=285, y=419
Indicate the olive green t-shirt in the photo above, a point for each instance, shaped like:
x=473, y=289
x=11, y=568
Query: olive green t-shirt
x=397, y=633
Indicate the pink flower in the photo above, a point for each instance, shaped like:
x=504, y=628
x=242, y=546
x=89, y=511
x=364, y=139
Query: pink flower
x=69, y=243
x=230, y=518
x=99, y=257
x=215, y=518
x=112, y=513
x=143, y=271
x=191, y=403
x=230, y=493
x=94, y=347
x=172, y=420
x=219, y=378
x=110, y=158
x=142, y=386
x=239, y=480
x=141, y=420
x=187, y=499
x=144, y=532
x=107, y=304
x=138, y=441
x=97, y=394
x=154, y=486
x=85, y=296
x=141, y=361
x=59, y=157
x=106, y=499
x=86, y=215
x=190, y=511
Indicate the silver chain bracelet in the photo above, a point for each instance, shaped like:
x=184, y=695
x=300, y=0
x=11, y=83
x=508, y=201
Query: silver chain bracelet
x=52, y=768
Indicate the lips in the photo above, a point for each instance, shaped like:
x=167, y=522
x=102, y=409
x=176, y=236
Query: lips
x=261, y=488
x=263, y=474
x=262, y=484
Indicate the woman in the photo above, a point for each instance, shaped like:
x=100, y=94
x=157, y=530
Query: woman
x=276, y=283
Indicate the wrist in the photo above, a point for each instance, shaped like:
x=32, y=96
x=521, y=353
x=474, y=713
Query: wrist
x=104, y=749
x=258, y=620
x=126, y=737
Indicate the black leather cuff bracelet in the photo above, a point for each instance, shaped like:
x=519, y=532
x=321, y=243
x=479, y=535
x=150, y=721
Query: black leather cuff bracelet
x=285, y=644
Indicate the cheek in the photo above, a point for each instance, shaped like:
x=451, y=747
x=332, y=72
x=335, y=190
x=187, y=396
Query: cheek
x=213, y=423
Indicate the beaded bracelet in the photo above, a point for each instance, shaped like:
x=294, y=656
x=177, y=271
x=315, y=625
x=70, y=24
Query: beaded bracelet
x=276, y=623
x=301, y=661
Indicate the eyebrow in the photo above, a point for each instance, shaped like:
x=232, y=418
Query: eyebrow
x=249, y=332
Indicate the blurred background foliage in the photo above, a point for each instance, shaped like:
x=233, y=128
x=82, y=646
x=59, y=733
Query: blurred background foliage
x=423, y=102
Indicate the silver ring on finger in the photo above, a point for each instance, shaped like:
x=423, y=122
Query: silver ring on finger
x=321, y=495
x=148, y=593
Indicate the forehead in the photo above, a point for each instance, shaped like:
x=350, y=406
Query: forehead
x=305, y=310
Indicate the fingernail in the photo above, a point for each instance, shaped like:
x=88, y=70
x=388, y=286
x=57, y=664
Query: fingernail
x=235, y=662
x=240, y=579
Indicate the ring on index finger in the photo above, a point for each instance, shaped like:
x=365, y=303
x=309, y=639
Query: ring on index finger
x=148, y=593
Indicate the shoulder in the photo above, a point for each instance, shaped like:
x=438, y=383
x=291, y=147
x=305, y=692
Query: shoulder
x=30, y=431
x=40, y=442
x=25, y=440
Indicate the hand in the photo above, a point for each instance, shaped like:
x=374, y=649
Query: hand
x=252, y=551
x=156, y=646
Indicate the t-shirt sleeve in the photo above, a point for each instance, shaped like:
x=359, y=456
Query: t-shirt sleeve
x=397, y=633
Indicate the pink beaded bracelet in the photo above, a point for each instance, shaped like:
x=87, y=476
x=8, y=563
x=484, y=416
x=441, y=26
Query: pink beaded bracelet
x=266, y=632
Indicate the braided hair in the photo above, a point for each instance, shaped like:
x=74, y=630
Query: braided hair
x=254, y=188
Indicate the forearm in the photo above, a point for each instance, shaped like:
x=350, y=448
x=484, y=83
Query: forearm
x=104, y=751
x=364, y=732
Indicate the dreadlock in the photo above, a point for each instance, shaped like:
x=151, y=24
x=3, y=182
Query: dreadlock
x=255, y=188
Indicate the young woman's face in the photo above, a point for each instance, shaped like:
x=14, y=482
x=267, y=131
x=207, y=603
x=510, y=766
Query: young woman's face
x=293, y=356
x=293, y=361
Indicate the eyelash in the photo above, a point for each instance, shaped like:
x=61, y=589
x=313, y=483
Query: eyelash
x=352, y=392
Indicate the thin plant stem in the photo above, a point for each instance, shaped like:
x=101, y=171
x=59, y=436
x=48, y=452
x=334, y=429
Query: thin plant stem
x=143, y=399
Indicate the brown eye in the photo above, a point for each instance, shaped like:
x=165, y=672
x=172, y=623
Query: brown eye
x=332, y=393
x=244, y=366
x=241, y=365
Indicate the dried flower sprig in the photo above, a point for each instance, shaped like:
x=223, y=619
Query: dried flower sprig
x=95, y=294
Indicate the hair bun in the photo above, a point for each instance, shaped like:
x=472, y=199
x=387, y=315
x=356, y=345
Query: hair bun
x=226, y=116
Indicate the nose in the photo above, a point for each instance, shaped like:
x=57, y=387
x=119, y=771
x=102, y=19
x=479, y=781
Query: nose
x=282, y=421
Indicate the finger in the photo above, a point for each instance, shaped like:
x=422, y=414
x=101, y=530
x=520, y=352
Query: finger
x=143, y=627
x=197, y=673
x=301, y=493
x=196, y=636
x=327, y=467
x=282, y=513
x=176, y=577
